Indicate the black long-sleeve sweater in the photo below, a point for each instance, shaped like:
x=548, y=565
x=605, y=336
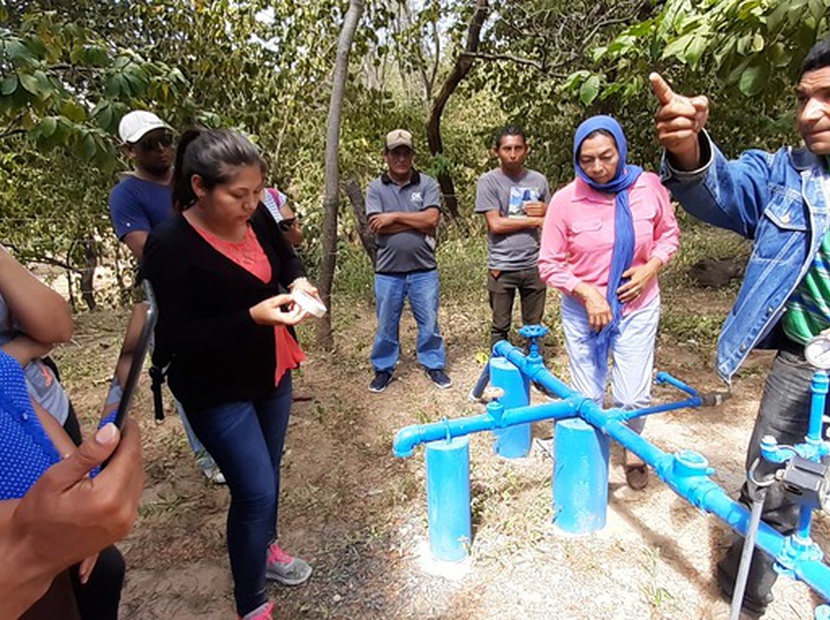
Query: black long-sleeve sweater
x=217, y=353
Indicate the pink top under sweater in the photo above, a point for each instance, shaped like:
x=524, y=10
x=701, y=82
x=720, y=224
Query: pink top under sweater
x=249, y=255
x=578, y=235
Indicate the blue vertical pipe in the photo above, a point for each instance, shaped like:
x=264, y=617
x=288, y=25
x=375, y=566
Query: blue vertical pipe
x=511, y=442
x=448, y=498
x=818, y=387
x=805, y=520
x=580, y=477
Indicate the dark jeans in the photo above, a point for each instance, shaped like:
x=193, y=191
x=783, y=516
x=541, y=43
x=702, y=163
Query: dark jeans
x=784, y=413
x=502, y=290
x=57, y=604
x=246, y=439
x=99, y=597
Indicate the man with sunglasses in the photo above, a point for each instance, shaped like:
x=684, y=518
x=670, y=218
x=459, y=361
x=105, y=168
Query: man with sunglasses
x=140, y=202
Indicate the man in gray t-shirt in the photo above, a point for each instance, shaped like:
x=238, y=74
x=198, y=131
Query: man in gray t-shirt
x=403, y=210
x=514, y=201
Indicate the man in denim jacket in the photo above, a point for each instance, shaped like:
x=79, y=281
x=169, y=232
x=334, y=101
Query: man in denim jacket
x=780, y=201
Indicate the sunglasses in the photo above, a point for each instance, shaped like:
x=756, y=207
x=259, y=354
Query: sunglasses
x=154, y=143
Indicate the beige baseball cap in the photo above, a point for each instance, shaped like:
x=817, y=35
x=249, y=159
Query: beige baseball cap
x=398, y=137
x=134, y=125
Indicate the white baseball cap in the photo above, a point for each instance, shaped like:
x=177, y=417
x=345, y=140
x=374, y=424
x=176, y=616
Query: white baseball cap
x=134, y=125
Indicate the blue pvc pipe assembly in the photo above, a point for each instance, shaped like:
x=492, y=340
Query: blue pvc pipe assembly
x=583, y=433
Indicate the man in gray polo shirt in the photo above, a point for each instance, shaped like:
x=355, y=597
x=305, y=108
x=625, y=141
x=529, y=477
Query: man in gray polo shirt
x=403, y=210
x=514, y=201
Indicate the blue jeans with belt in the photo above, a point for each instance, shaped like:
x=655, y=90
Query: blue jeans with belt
x=246, y=439
x=391, y=291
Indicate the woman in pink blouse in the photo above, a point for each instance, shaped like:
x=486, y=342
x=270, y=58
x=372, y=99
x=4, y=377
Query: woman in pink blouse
x=606, y=236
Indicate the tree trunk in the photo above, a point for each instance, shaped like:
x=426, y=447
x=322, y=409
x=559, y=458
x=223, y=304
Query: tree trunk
x=355, y=195
x=462, y=67
x=331, y=202
x=70, y=275
x=88, y=273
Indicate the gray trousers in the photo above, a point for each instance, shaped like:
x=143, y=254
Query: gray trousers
x=785, y=414
x=502, y=290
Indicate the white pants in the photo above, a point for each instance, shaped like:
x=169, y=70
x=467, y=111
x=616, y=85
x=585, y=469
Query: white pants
x=631, y=349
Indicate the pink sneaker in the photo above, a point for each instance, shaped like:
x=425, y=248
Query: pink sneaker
x=263, y=612
x=285, y=569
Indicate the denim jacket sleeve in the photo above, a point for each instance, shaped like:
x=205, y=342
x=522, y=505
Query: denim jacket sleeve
x=727, y=194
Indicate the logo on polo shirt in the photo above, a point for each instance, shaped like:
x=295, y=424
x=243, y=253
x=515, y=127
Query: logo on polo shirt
x=416, y=197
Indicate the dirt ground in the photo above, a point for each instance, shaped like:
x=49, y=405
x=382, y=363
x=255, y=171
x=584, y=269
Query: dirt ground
x=358, y=514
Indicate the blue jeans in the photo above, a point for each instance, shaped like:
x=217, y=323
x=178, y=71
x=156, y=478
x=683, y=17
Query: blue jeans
x=203, y=457
x=391, y=290
x=246, y=440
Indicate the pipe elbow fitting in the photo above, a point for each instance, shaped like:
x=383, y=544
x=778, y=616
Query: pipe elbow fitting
x=405, y=442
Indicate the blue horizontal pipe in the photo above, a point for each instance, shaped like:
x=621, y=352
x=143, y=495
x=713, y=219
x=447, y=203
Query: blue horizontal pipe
x=409, y=437
x=681, y=404
x=664, y=377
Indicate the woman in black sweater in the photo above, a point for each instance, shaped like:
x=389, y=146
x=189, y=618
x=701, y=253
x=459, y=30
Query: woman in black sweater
x=223, y=274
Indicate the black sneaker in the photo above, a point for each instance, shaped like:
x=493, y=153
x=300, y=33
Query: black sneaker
x=439, y=378
x=382, y=379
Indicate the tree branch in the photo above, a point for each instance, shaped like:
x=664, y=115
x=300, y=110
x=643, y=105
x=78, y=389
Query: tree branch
x=509, y=57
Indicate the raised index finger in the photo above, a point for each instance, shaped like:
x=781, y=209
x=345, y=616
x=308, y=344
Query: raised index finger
x=661, y=89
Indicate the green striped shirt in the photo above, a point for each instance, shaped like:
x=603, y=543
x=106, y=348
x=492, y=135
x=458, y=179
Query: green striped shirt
x=808, y=309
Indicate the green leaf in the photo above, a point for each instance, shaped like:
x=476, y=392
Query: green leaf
x=589, y=90
x=817, y=8
x=8, y=85
x=96, y=56
x=757, y=44
x=48, y=126
x=44, y=86
x=16, y=51
x=88, y=146
x=695, y=50
x=777, y=16
x=63, y=130
x=780, y=56
x=754, y=77
x=29, y=82
x=36, y=46
x=103, y=115
x=677, y=48
x=795, y=12
x=577, y=77
x=117, y=86
x=74, y=111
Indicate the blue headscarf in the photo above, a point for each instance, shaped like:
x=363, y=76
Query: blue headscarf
x=623, y=252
